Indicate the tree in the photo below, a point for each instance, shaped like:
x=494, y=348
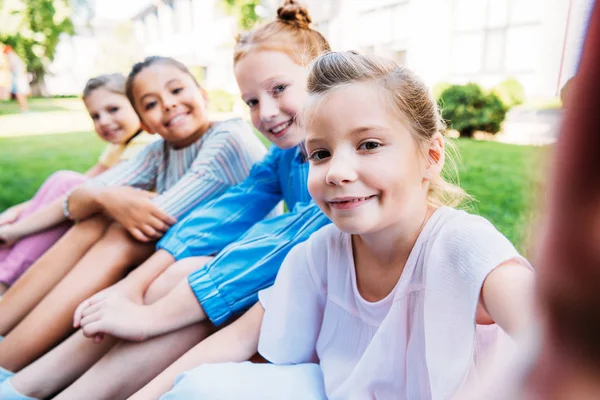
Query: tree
x=37, y=34
x=244, y=11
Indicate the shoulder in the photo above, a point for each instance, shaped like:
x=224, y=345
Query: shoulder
x=238, y=133
x=458, y=227
x=468, y=243
x=233, y=126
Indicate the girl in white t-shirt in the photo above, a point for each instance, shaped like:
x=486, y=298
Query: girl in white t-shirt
x=404, y=295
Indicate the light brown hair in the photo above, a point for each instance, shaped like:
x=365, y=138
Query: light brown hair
x=112, y=82
x=409, y=99
x=289, y=33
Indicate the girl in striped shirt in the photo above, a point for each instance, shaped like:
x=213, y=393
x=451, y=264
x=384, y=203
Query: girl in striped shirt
x=195, y=160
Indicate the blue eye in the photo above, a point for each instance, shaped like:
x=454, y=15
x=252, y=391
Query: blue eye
x=279, y=89
x=369, y=145
x=319, y=155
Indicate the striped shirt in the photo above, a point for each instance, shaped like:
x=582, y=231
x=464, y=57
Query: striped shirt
x=185, y=177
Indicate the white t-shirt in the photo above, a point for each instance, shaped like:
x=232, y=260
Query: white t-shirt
x=420, y=342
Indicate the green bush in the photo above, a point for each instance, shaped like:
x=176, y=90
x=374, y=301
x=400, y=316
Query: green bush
x=510, y=92
x=467, y=109
x=220, y=100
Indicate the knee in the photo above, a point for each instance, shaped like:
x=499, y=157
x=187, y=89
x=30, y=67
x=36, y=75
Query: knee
x=116, y=235
x=93, y=225
x=156, y=290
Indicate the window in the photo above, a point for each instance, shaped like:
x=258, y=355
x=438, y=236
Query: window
x=494, y=36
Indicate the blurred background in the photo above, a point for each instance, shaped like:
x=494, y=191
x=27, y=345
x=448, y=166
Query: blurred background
x=497, y=68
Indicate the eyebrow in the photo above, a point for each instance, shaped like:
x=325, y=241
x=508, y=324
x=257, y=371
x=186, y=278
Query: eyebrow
x=154, y=94
x=354, y=132
x=272, y=80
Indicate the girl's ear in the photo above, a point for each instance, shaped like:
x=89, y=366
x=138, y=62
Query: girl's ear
x=435, y=156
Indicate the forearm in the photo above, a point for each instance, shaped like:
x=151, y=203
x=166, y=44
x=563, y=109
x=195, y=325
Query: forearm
x=44, y=218
x=141, y=277
x=235, y=343
x=178, y=309
x=85, y=202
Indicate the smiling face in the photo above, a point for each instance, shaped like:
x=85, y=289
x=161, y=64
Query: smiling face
x=274, y=87
x=114, y=118
x=367, y=172
x=170, y=103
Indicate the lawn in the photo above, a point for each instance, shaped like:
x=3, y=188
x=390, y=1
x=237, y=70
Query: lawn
x=502, y=178
x=8, y=107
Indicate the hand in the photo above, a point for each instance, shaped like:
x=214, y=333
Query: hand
x=8, y=236
x=115, y=315
x=122, y=289
x=11, y=214
x=134, y=210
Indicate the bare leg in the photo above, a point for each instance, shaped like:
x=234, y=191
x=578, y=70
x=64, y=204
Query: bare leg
x=104, y=264
x=22, y=101
x=130, y=365
x=58, y=368
x=47, y=271
x=61, y=366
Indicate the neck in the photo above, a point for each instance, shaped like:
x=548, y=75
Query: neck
x=392, y=246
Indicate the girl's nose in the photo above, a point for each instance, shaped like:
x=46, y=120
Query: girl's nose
x=341, y=170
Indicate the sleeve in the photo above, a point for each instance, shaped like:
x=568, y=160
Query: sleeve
x=110, y=156
x=221, y=162
x=293, y=310
x=458, y=262
x=140, y=171
x=211, y=227
x=230, y=282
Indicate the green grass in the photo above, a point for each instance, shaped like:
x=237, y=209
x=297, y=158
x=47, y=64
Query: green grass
x=25, y=162
x=8, y=107
x=505, y=181
x=502, y=178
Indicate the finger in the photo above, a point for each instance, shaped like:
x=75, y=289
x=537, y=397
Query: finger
x=150, y=232
x=158, y=224
x=79, y=313
x=138, y=235
x=98, y=337
x=93, y=329
x=92, y=309
x=97, y=298
x=163, y=216
x=90, y=320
